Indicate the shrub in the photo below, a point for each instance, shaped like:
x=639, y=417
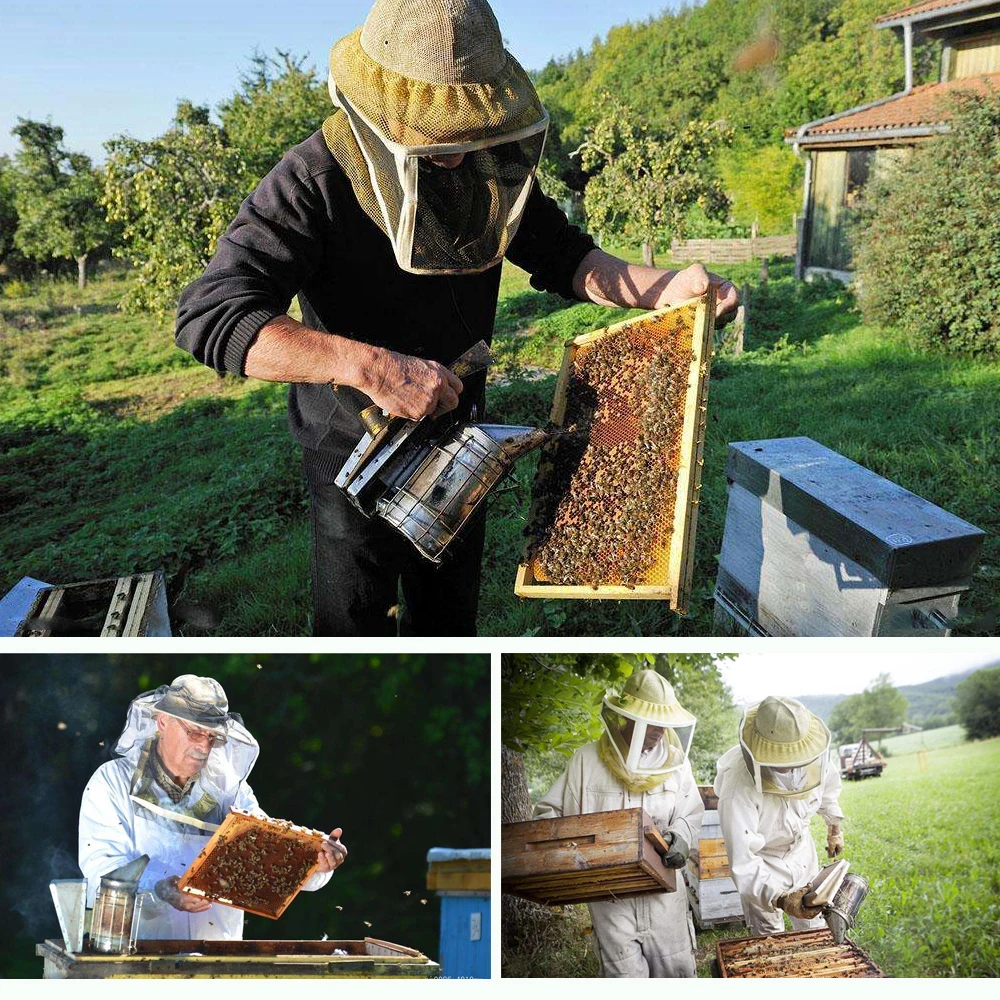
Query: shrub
x=925, y=249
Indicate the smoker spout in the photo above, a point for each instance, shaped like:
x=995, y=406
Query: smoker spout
x=129, y=872
x=514, y=441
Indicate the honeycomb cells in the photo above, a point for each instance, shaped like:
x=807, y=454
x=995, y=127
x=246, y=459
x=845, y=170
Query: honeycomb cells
x=256, y=869
x=606, y=486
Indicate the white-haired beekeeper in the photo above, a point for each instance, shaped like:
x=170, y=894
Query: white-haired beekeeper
x=182, y=763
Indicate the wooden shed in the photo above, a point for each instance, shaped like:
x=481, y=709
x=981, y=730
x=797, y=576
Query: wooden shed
x=846, y=151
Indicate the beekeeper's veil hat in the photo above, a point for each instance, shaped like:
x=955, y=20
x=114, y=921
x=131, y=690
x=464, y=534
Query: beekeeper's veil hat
x=647, y=700
x=785, y=746
x=431, y=78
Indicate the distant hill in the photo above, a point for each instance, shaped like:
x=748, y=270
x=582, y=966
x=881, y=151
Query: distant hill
x=928, y=700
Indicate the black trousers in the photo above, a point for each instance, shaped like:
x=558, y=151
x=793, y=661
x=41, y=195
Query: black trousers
x=360, y=565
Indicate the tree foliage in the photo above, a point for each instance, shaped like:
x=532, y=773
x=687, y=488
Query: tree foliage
x=56, y=198
x=977, y=704
x=552, y=702
x=879, y=705
x=8, y=210
x=925, y=250
x=644, y=179
x=764, y=186
x=278, y=105
x=173, y=196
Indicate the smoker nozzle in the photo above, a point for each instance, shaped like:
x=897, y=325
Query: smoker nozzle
x=837, y=924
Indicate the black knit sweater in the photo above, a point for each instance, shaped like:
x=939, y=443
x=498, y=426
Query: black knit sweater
x=302, y=232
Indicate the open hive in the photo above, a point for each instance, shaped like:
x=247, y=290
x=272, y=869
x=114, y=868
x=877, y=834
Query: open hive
x=797, y=955
x=614, y=501
x=257, y=865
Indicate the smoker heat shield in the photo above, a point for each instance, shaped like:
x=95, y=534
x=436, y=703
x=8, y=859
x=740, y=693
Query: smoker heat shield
x=614, y=501
x=253, y=864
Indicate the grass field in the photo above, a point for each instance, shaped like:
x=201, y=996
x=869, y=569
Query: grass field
x=927, y=843
x=933, y=739
x=121, y=453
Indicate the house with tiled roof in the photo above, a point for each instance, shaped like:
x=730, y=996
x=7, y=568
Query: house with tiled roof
x=843, y=151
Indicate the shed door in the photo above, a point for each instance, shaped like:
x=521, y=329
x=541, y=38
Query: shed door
x=838, y=178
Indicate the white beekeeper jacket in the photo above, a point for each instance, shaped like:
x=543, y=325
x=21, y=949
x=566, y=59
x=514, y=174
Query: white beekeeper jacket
x=641, y=935
x=767, y=836
x=116, y=827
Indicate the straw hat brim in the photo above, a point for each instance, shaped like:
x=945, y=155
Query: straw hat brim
x=653, y=714
x=419, y=113
x=768, y=752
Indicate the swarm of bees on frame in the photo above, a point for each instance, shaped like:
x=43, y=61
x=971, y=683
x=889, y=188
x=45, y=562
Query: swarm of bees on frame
x=257, y=869
x=606, y=485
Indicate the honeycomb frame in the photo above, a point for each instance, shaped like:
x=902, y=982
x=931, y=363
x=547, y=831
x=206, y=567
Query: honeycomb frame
x=673, y=562
x=215, y=860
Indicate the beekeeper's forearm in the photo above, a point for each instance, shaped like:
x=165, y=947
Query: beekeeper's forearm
x=288, y=351
x=610, y=281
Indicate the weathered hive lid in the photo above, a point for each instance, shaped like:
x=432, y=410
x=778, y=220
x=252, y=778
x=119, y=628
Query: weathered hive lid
x=458, y=869
x=904, y=540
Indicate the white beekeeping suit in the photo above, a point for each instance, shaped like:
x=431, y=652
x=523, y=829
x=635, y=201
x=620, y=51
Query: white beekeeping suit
x=650, y=935
x=769, y=788
x=125, y=813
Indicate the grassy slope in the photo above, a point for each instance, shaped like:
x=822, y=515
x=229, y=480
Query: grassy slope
x=811, y=368
x=121, y=453
x=933, y=739
x=927, y=844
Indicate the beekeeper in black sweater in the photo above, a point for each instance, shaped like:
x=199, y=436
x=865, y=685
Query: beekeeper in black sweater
x=389, y=224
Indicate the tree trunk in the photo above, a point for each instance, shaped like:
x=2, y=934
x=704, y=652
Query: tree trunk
x=515, y=802
x=523, y=924
x=81, y=271
x=647, y=253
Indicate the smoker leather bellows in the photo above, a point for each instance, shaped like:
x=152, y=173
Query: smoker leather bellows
x=428, y=477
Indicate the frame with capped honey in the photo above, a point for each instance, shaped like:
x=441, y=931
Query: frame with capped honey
x=254, y=864
x=615, y=497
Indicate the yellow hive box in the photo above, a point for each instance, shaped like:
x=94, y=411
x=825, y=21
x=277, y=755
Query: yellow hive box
x=615, y=497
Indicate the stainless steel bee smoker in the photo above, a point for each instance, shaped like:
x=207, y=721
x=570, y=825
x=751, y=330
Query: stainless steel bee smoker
x=843, y=909
x=117, y=905
x=427, y=477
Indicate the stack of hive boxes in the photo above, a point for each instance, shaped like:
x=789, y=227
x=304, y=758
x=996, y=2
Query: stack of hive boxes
x=713, y=894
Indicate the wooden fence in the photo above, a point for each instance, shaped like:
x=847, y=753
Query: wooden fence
x=734, y=251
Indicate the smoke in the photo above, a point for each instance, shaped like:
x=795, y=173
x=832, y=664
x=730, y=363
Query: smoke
x=29, y=889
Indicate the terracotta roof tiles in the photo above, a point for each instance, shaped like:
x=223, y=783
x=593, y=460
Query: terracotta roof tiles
x=922, y=8
x=922, y=107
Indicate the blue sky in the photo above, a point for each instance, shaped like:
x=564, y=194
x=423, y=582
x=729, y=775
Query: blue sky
x=105, y=67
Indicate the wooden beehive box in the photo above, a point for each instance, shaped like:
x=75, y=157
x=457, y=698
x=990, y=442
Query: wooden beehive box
x=712, y=893
x=253, y=864
x=615, y=497
x=796, y=955
x=169, y=959
x=817, y=545
x=583, y=859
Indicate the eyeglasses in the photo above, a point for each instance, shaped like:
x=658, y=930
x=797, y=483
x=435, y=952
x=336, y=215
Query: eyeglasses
x=197, y=735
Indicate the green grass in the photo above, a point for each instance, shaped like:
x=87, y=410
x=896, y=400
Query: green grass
x=932, y=739
x=121, y=453
x=926, y=842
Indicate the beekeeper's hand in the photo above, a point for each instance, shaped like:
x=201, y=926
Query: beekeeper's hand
x=694, y=281
x=166, y=889
x=410, y=387
x=834, y=842
x=677, y=856
x=332, y=852
x=791, y=903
